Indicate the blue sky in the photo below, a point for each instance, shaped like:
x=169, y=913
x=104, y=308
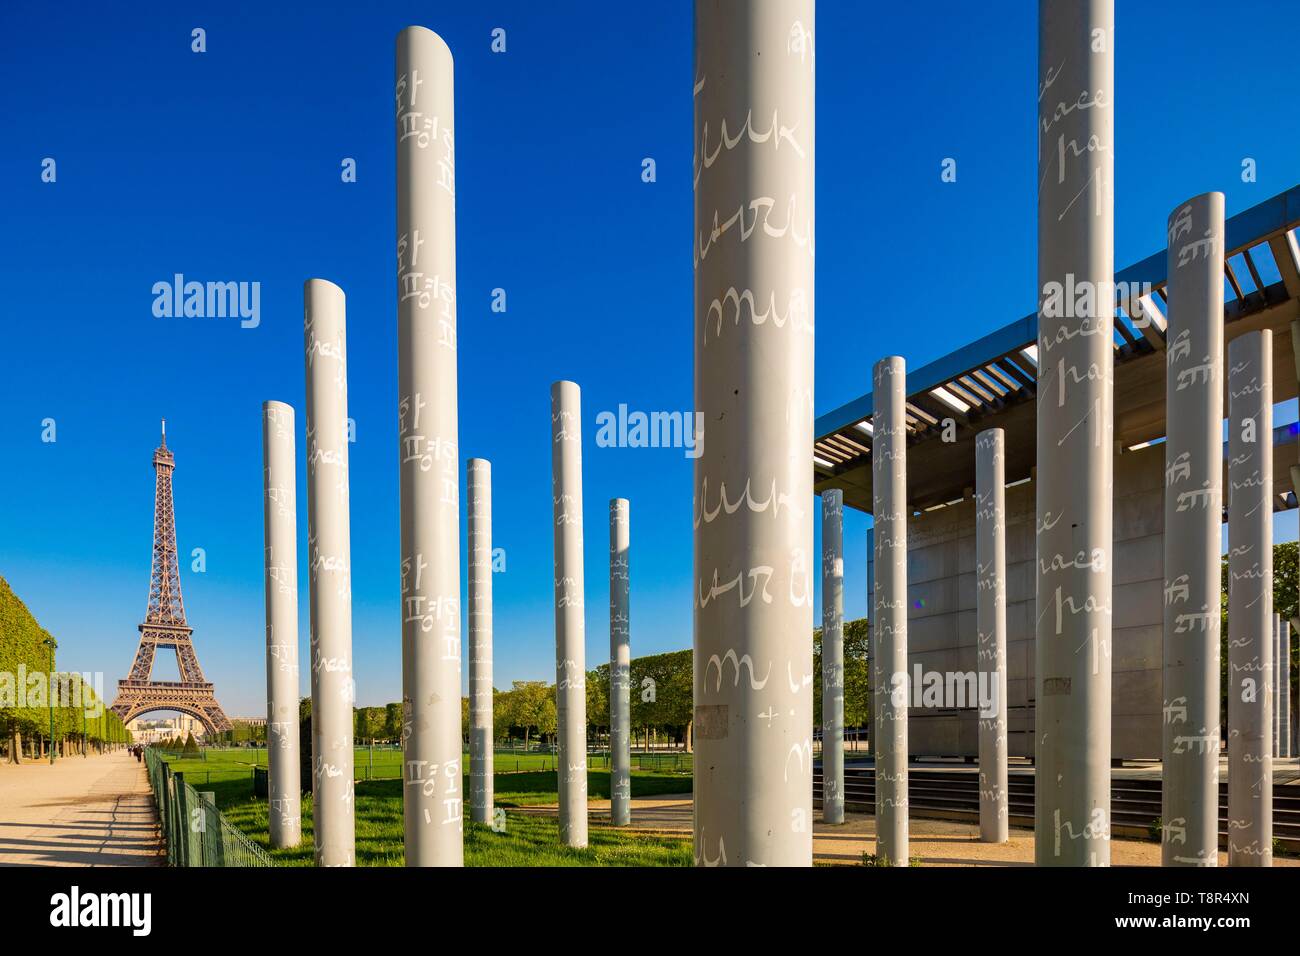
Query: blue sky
x=226, y=166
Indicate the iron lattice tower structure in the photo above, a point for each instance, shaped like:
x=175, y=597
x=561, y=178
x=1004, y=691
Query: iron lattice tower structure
x=164, y=625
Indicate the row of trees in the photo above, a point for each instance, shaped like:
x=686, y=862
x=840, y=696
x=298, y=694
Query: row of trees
x=660, y=699
x=188, y=747
x=660, y=702
x=241, y=734
x=28, y=688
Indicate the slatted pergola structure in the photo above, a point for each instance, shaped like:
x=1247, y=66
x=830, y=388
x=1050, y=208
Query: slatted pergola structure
x=992, y=381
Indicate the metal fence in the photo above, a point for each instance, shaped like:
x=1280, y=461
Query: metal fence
x=674, y=761
x=194, y=830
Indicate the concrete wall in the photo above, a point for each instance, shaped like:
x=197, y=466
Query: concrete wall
x=941, y=613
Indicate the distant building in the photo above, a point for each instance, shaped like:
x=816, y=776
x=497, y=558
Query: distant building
x=153, y=731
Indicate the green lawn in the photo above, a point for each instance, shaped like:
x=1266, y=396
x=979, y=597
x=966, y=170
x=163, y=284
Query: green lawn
x=386, y=764
x=527, y=840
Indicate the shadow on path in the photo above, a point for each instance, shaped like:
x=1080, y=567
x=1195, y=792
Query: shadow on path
x=92, y=811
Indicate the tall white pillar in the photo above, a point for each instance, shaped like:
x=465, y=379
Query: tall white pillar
x=1076, y=314
x=889, y=624
x=479, y=480
x=280, y=518
x=871, y=621
x=1294, y=623
x=991, y=627
x=1250, y=599
x=429, y=452
x=570, y=627
x=1193, y=534
x=1285, y=705
x=620, y=662
x=1277, y=685
x=755, y=566
x=833, y=655
x=330, y=565
x=1282, y=686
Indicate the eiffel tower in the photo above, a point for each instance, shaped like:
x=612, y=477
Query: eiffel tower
x=164, y=625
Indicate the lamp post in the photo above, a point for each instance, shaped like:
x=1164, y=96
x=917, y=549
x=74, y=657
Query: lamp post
x=49, y=693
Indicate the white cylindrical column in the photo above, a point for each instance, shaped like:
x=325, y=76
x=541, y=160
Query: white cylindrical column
x=1282, y=685
x=871, y=620
x=991, y=627
x=570, y=627
x=429, y=453
x=1287, y=751
x=330, y=566
x=620, y=662
x=1193, y=534
x=754, y=568
x=889, y=618
x=1250, y=599
x=1277, y=685
x=280, y=518
x=833, y=655
x=1076, y=316
x=479, y=481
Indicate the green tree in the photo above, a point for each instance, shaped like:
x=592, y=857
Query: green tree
x=547, y=716
x=661, y=693
x=370, y=722
x=1285, y=566
x=501, y=711
x=857, y=696
x=23, y=655
x=24, y=679
x=529, y=707
x=1285, y=578
x=393, y=722
x=1286, y=581
x=505, y=708
x=598, y=699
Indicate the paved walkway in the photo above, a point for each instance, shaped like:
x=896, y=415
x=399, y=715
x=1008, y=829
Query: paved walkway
x=82, y=811
x=933, y=842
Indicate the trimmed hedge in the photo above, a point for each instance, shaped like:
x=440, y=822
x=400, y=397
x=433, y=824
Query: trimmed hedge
x=23, y=654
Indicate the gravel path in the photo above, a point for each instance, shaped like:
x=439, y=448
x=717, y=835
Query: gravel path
x=82, y=811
